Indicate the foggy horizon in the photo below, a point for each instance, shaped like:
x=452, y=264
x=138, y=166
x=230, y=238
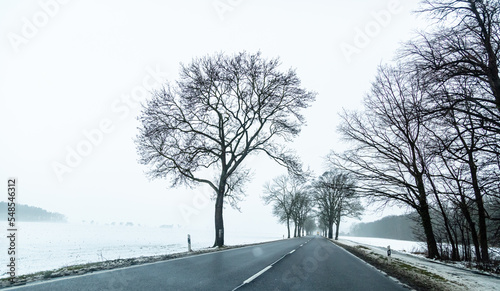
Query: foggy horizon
x=74, y=82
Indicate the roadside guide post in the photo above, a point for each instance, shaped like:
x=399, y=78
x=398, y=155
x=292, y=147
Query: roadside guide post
x=389, y=254
x=189, y=243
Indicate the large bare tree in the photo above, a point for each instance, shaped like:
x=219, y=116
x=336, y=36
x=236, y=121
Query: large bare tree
x=388, y=157
x=336, y=198
x=283, y=193
x=461, y=59
x=465, y=153
x=301, y=210
x=221, y=110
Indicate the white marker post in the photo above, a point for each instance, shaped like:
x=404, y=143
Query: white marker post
x=189, y=243
x=389, y=254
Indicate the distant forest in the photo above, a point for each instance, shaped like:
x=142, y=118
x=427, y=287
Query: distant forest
x=30, y=213
x=393, y=227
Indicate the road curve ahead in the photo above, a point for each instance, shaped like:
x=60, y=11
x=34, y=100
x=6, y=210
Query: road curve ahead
x=308, y=263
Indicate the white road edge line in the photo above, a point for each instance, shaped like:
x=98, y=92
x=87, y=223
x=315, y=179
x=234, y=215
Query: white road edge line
x=256, y=275
x=371, y=266
x=292, y=252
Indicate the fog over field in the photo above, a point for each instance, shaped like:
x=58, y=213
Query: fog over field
x=75, y=73
x=84, y=243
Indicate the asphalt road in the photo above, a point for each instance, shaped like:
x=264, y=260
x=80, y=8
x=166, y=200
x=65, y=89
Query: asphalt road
x=309, y=263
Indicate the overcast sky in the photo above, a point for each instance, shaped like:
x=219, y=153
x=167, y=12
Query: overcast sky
x=73, y=73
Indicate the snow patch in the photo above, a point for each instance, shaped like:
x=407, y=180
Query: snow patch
x=470, y=279
x=47, y=246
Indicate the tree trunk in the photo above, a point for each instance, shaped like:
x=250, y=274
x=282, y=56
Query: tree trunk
x=330, y=230
x=288, y=226
x=465, y=246
x=432, y=249
x=494, y=81
x=472, y=227
x=337, y=223
x=467, y=243
x=455, y=256
x=423, y=211
x=219, y=222
x=425, y=216
x=481, y=212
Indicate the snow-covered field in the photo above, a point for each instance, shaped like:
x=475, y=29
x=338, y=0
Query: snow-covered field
x=404, y=245
x=397, y=245
x=46, y=246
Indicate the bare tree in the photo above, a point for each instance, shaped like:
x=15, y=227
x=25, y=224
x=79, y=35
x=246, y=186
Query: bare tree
x=335, y=197
x=301, y=209
x=322, y=222
x=389, y=158
x=461, y=59
x=465, y=155
x=310, y=225
x=282, y=193
x=221, y=110
x=349, y=205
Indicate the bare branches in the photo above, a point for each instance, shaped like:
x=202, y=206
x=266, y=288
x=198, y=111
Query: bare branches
x=468, y=46
x=335, y=197
x=387, y=153
x=429, y=134
x=222, y=109
x=290, y=200
x=389, y=156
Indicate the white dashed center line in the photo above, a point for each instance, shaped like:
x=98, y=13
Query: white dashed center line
x=256, y=275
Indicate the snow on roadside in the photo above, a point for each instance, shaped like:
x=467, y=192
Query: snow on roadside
x=47, y=246
x=470, y=279
x=397, y=245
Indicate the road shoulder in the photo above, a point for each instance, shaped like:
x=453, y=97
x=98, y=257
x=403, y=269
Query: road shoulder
x=407, y=273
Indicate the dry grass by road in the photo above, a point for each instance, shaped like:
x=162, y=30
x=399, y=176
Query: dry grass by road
x=416, y=278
